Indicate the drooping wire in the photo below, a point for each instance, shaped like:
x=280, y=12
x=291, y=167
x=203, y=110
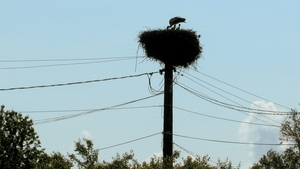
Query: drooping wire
x=175, y=78
x=66, y=59
x=192, y=153
x=49, y=120
x=102, y=60
x=186, y=150
x=230, y=142
x=241, y=89
x=141, y=138
x=240, y=106
x=220, y=118
x=150, y=88
x=76, y=83
x=177, y=74
x=80, y=110
x=206, y=98
x=222, y=91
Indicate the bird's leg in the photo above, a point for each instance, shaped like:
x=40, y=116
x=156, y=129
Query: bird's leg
x=170, y=27
x=174, y=26
x=178, y=28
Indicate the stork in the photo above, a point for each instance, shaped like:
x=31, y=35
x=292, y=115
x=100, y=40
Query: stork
x=174, y=21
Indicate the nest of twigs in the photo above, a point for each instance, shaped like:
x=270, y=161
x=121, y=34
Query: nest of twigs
x=180, y=48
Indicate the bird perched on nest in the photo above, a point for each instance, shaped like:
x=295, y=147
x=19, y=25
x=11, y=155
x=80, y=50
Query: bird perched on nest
x=174, y=21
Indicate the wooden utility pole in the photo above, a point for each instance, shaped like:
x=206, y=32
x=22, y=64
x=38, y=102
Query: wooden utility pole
x=174, y=47
x=168, y=115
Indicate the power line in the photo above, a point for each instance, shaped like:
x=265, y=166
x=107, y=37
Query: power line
x=210, y=100
x=220, y=118
x=210, y=89
x=240, y=106
x=76, y=83
x=241, y=89
x=234, y=107
x=67, y=64
x=231, y=142
x=141, y=138
x=192, y=153
x=49, y=120
x=80, y=110
x=221, y=90
x=186, y=150
x=67, y=59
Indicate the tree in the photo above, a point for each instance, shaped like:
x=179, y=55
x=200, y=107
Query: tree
x=289, y=158
x=271, y=160
x=197, y=162
x=126, y=161
x=54, y=161
x=88, y=156
x=58, y=161
x=290, y=130
x=227, y=164
x=19, y=143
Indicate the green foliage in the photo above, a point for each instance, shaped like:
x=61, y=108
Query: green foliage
x=88, y=156
x=20, y=148
x=197, y=162
x=19, y=144
x=290, y=130
x=58, y=161
x=55, y=161
x=126, y=161
x=272, y=160
x=289, y=158
x=226, y=165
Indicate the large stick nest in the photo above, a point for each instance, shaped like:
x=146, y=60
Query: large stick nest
x=180, y=48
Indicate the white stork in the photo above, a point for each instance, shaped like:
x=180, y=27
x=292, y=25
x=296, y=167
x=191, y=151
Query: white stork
x=174, y=21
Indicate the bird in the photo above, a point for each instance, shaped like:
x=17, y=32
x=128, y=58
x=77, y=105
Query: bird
x=174, y=21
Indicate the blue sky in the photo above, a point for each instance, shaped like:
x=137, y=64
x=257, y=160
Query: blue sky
x=250, y=45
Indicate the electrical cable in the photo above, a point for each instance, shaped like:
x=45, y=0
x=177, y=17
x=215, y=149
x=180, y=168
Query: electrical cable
x=76, y=83
x=234, y=107
x=150, y=88
x=221, y=90
x=53, y=65
x=206, y=98
x=66, y=64
x=68, y=59
x=220, y=118
x=241, y=90
x=186, y=150
x=49, y=120
x=80, y=110
x=230, y=142
x=141, y=138
x=240, y=106
x=192, y=153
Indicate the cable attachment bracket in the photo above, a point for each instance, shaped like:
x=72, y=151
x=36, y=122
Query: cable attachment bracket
x=164, y=69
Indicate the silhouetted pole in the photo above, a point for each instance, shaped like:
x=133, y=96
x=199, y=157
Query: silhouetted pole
x=168, y=114
x=174, y=47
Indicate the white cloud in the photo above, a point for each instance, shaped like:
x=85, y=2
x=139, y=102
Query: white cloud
x=86, y=134
x=158, y=154
x=260, y=134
